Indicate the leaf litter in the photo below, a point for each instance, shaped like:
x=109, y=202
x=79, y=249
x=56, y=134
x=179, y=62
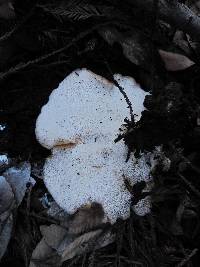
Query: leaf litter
x=169, y=236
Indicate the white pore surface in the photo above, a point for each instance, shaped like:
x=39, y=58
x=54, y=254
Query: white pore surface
x=95, y=173
x=87, y=108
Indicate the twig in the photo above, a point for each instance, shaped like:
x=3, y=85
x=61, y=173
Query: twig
x=53, y=64
x=17, y=27
x=22, y=66
x=28, y=205
x=184, y=261
x=122, y=91
x=34, y=215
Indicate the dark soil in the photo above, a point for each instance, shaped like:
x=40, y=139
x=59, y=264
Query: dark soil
x=170, y=235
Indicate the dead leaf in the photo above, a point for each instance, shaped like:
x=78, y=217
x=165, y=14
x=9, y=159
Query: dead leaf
x=53, y=235
x=18, y=178
x=58, y=243
x=174, y=61
x=6, y=195
x=5, y=233
x=136, y=47
x=180, y=41
x=55, y=243
x=193, y=44
x=56, y=212
x=12, y=190
x=86, y=218
x=79, y=245
x=44, y=256
x=105, y=239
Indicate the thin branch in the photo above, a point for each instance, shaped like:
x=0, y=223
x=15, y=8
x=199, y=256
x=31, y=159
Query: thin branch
x=23, y=66
x=122, y=91
x=186, y=260
x=17, y=27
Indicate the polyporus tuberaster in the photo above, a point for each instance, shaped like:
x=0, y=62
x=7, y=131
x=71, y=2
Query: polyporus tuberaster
x=79, y=123
x=87, y=108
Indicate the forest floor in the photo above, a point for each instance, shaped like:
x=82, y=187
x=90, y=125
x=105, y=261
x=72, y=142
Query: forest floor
x=170, y=234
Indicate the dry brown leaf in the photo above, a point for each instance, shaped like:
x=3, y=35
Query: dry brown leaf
x=79, y=245
x=44, y=256
x=5, y=233
x=18, y=178
x=6, y=195
x=180, y=41
x=58, y=245
x=135, y=47
x=174, y=61
x=53, y=235
x=12, y=190
x=86, y=218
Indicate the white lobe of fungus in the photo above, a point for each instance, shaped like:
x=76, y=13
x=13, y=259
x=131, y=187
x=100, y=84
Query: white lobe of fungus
x=87, y=110
x=3, y=160
x=93, y=173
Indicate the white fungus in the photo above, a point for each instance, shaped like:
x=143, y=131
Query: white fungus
x=3, y=160
x=2, y=127
x=86, y=111
x=93, y=173
x=87, y=108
